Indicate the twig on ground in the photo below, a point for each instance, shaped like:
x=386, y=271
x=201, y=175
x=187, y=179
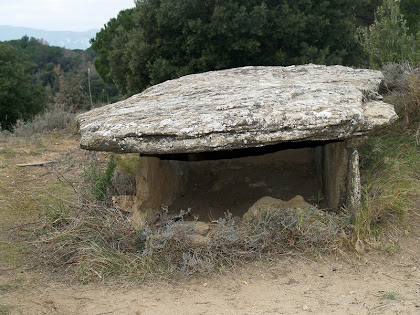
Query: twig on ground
x=37, y=163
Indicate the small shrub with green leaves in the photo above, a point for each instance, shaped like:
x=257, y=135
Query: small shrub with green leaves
x=100, y=179
x=388, y=39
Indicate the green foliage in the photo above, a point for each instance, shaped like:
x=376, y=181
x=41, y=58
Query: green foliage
x=103, y=43
x=388, y=39
x=64, y=74
x=388, y=296
x=411, y=11
x=21, y=96
x=102, y=92
x=365, y=11
x=165, y=39
x=100, y=179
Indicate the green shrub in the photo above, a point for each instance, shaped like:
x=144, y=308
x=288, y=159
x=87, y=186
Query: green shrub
x=162, y=40
x=99, y=179
x=388, y=39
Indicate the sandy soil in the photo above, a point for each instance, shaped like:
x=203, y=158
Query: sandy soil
x=381, y=285
x=376, y=283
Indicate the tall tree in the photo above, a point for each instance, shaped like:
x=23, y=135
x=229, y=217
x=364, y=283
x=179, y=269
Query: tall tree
x=104, y=42
x=20, y=96
x=171, y=38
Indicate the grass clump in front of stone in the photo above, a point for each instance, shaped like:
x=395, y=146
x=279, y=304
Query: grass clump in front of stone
x=100, y=180
x=99, y=242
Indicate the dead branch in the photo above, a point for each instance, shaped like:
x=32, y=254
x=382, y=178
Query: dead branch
x=37, y=164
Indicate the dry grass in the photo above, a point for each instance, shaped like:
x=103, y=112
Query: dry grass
x=97, y=242
x=56, y=119
x=390, y=166
x=25, y=192
x=403, y=85
x=63, y=228
x=89, y=240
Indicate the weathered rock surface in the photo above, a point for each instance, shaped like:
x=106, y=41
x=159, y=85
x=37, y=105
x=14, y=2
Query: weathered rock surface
x=272, y=205
x=239, y=108
x=125, y=203
x=201, y=227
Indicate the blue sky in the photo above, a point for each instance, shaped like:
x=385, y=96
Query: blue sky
x=61, y=15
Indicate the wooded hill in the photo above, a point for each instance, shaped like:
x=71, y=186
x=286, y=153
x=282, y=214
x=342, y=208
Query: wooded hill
x=52, y=75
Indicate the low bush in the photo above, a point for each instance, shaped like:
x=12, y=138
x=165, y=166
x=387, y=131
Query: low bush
x=54, y=119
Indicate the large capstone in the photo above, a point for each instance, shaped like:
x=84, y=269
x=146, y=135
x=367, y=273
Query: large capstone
x=176, y=126
x=239, y=108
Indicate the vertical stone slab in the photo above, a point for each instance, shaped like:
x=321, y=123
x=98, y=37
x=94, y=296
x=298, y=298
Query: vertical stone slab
x=335, y=174
x=354, y=187
x=159, y=182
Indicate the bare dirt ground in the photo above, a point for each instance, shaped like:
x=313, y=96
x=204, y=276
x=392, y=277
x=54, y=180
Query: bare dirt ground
x=382, y=282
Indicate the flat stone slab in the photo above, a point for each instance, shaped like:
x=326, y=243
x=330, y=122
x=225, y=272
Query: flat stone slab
x=240, y=108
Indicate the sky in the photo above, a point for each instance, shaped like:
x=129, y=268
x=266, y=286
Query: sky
x=61, y=15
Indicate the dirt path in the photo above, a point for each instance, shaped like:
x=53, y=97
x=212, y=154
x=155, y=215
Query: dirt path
x=377, y=283
x=382, y=285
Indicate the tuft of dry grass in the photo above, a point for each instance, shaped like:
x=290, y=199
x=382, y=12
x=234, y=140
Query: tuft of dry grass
x=98, y=242
x=55, y=119
x=390, y=165
x=390, y=168
x=402, y=82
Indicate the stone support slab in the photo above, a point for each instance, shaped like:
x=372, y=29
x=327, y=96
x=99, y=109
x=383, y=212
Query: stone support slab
x=159, y=182
x=341, y=175
x=335, y=174
x=354, y=187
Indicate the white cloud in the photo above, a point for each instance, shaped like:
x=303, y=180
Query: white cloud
x=71, y=15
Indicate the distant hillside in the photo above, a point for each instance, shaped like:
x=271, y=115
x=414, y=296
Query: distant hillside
x=68, y=76
x=67, y=39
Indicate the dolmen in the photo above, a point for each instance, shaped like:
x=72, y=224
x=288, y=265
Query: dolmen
x=310, y=117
